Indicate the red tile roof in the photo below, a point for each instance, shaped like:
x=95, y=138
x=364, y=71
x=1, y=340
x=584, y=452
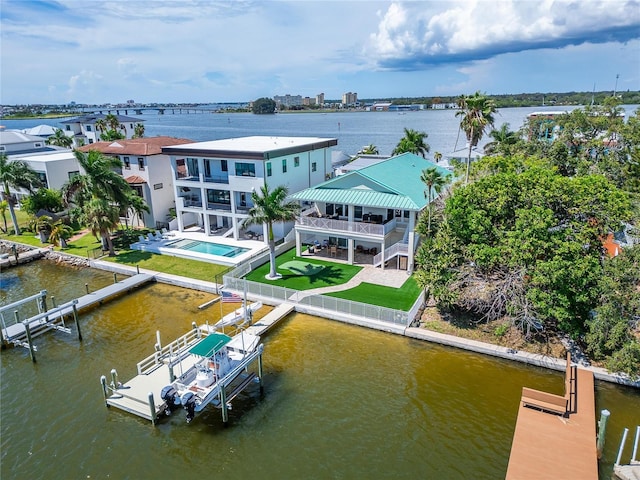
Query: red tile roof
x=135, y=179
x=135, y=146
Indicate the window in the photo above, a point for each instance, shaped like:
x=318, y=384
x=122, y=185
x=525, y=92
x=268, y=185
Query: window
x=37, y=145
x=268, y=169
x=68, y=128
x=91, y=140
x=296, y=161
x=141, y=163
x=223, y=166
x=245, y=169
x=73, y=174
x=284, y=165
x=219, y=196
x=127, y=163
x=2, y=148
x=88, y=127
x=357, y=211
x=314, y=166
x=43, y=179
x=138, y=190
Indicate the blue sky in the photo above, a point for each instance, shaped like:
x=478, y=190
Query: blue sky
x=93, y=51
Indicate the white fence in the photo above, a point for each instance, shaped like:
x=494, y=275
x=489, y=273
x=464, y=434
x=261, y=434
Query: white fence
x=233, y=281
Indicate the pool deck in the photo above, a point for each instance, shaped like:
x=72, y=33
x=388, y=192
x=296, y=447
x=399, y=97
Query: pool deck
x=253, y=247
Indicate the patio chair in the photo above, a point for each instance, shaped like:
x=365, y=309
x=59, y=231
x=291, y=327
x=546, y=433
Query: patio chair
x=151, y=238
x=333, y=250
x=373, y=251
x=158, y=235
x=142, y=239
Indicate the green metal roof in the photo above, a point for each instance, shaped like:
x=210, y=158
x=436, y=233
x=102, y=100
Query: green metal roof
x=210, y=344
x=394, y=183
x=355, y=196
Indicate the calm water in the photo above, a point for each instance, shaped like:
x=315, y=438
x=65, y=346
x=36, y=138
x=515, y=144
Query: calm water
x=353, y=129
x=340, y=401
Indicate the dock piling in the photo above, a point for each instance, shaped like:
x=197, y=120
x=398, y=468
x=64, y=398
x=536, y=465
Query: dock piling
x=115, y=277
x=103, y=382
x=624, y=440
x=635, y=445
x=75, y=318
x=53, y=301
x=86, y=287
x=114, y=378
x=602, y=428
x=260, y=373
x=27, y=329
x=223, y=405
x=152, y=407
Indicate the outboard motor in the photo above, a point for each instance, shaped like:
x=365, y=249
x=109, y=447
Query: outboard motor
x=171, y=397
x=189, y=404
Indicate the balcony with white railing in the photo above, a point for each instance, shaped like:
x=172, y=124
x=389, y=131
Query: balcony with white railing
x=188, y=202
x=344, y=226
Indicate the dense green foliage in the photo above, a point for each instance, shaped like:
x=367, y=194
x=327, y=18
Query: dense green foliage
x=43, y=199
x=264, y=106
x=524, y=239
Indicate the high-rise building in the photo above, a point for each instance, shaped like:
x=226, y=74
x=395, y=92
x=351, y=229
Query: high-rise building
x=320, y=99
x=349, y=99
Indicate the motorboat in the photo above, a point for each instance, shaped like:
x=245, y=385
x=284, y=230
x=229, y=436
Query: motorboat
x=218, y=372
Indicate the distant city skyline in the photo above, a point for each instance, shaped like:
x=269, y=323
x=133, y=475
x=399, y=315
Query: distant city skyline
x=96, y=52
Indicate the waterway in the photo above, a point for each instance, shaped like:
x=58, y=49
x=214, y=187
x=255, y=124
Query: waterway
x=353, y=130
x=340, y=401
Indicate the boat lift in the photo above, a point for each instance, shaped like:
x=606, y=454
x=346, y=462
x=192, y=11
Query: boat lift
x=22, y=332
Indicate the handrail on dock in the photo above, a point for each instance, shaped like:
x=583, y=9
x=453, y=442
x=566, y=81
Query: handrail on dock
x=154, y=360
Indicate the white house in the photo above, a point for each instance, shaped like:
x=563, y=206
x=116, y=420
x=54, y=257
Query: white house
x=214, y=180
x=14, y=142
x=83, y=129
x=148, y=171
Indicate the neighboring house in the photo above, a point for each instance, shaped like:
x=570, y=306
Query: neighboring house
x=44, y=131
x=83, y=129
x=148, y=171
x=54, y=168
x=54, y=165
x=15, y=142
x=372, y=210
x=214, y=180
x=361, y=161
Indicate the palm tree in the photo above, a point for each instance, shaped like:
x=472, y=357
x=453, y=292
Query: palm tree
x=101, y=126
x=370, y=149
x=269, y=207
x=102, y=218
x=434, y=180
x=99, y=180
x=41, y=225
x=60, y=139
x=412, y=142
x=4, y=206
x=437, y=156
x=138, y=130
x=136, y=206
x=503, y=140
x=60, y=232
x=16, y=174
x=477, y=114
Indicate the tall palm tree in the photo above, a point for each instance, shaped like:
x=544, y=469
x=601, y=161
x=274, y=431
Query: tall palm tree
x=4, y=206
x=477, y=114
x=16, y=174
x=102, y=218
x=412, y=142
x=60, y=139
x=101, y=126
x=437, y=156
x=138, y=130
x=434, y=180
x=60, y=232
x=136, y=206
x=269, y=207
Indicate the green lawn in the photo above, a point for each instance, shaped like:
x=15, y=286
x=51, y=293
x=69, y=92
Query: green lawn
x=399, y=298
x=331, y=274
x=169, y=264
x=78, y=247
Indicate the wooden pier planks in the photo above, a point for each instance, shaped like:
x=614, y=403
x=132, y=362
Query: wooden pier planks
x=270, y=319
x=547, y=446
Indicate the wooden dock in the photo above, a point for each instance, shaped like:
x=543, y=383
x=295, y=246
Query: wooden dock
x=549, y=446
x=270, y=319
x=11, y=260
x=53, y=318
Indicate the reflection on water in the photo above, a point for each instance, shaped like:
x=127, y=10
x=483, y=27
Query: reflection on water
x=340, y=401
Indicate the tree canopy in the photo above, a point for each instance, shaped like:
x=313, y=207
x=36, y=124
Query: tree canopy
x=263, y=105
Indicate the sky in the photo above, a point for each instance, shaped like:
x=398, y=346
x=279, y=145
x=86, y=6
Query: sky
x=197, y=51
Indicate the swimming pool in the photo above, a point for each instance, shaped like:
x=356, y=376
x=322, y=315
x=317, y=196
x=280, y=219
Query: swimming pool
x=207, y=247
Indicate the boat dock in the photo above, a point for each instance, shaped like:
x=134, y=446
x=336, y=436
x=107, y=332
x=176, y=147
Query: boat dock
x=21, y=332
x=270, y=319
x=18, y=258
x=555, y=436
x=141, y=395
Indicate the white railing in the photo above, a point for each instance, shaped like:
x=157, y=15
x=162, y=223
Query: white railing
x=174, y=348
x=365, y=310
x=372, y=229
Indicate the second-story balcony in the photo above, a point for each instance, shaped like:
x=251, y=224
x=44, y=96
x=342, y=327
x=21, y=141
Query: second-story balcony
x=358, y=228
x=221, y=207
x=187, y=201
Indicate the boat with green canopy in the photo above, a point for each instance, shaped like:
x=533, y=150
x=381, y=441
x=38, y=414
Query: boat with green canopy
x=219, y=373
